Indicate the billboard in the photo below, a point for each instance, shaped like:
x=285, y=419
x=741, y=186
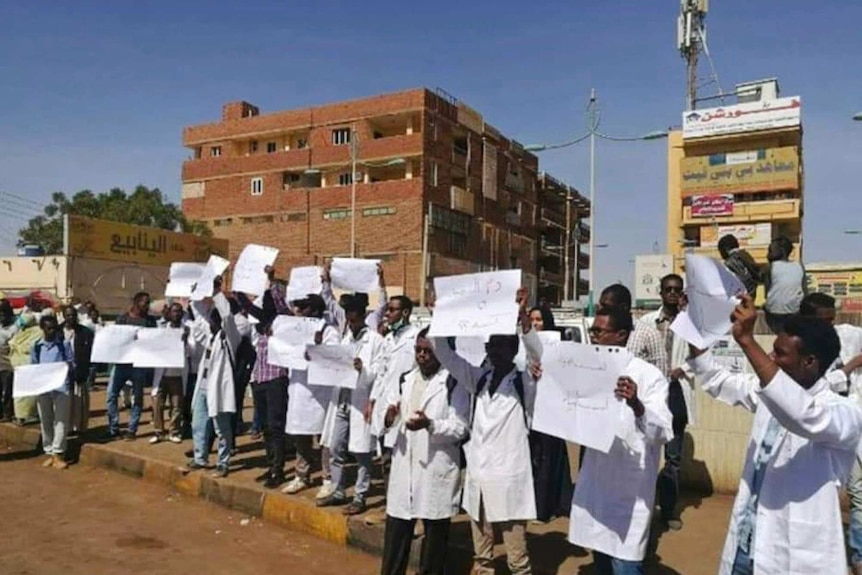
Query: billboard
x=755, y=171
x=749, y=235
x=739, y=118
x=649, y=269
x=712, y=206
x=116, y=241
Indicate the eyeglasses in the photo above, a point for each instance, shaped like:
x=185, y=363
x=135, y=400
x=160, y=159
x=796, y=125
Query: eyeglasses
x=598, y=331
x=672, y=289
x=393, y=309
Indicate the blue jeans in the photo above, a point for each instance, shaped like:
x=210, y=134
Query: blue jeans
x=854, y=492
x=743, y=564
x=224, y=424
x=120, y=374
x=203, y=432
x=607, y=565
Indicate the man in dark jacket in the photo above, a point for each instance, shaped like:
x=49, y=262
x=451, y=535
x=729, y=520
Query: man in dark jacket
x=80, y=339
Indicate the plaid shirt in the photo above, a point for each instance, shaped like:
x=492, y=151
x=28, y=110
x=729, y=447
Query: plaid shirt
x=263, y=370
x=647, y=343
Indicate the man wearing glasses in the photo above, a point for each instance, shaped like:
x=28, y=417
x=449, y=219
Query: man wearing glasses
x=680, y=394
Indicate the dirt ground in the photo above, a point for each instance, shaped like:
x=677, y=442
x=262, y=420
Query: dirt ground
x=91, y=521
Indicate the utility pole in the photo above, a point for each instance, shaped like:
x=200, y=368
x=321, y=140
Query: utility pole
x=354, y=143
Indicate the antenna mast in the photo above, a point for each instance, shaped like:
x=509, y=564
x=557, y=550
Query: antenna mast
x=691, y=41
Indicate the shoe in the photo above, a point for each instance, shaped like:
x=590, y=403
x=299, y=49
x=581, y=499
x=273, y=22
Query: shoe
x=59, y=462
x=672, y=524
x=262, y=477
x=256, y=435
x=175, y=439
x=325, y=490
x=332, y=500
x=220, y=472
x=48, y=462
x=155, y=439
x=112, y=436
x=273, y=481
x=130, y=436
x=379, y=518
x=189, y=453
x=296, y=485
x=356, y=507
x=195, y=466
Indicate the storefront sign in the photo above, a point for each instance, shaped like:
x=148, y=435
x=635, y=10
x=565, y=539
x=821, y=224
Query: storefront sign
x=756, y=171
x=116, y=241
x=712, y=206
x=749, y=235
x=748, y=117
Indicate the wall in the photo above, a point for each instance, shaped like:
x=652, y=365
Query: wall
x=42, y=273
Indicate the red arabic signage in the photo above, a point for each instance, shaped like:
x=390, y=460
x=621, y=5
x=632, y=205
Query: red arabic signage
x=712, y=206
x=748, y=117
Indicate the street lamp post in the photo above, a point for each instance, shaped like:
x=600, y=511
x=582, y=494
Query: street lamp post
x=593, y=120
x=858, y=116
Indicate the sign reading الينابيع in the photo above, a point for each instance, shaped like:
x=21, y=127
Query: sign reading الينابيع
x=116, y=241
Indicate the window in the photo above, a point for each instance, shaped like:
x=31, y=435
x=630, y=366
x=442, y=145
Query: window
x=341, y=137
x=460, y=146
x=381, y=211
x=434, y=173
x=336, y=214
x=271, y=147
x=301, y=144
x=345, y=179
x=256, y=186
x=252, y=147
x=215, y=151
x=450, y=220
x=198, y=153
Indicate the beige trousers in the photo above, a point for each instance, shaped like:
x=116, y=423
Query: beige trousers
x=514, y=539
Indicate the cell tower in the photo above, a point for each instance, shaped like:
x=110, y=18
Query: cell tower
x=691, y=41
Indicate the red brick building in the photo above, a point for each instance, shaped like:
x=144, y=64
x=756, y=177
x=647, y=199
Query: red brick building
x=438, y=190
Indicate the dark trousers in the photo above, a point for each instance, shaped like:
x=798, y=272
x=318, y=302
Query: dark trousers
x=271, y=396
x=668, y=479
x=399, y=536
x=7, y=405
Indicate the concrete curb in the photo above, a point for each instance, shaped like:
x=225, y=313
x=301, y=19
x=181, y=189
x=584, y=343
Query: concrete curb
x=283, y=510
x=29, y=437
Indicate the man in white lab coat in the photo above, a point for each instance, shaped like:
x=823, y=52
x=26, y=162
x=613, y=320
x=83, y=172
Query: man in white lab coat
x=214, y=393
x=680, y=397
x=428, y=412
x=787, y=518
x=845, y=378
x=498, y=488
x=614, y=495
x=347, y=426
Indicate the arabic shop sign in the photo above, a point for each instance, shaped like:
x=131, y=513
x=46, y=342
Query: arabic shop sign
x=765, y=171
x=105, y=240
x=748, y=117
x=712, y=206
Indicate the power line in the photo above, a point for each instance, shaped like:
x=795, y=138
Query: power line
x=21, y=199
x=16, y=212
x=5, y=197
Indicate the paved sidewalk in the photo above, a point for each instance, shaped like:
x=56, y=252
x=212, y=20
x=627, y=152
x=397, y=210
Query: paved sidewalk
x=693, y=551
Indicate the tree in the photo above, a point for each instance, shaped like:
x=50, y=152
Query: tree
x=143, y=207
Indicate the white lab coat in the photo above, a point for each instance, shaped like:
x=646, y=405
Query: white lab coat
x=499, y=473
x=306, y=405
x=219, y=381
x=614, y=495
x=798, y=526
x=851, y=346
x=400, y=359
x=679, y=359
x=370, y=348
x=425, y=482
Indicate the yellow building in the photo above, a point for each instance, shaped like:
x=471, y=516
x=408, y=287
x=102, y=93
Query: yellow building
x=736, y=170
x=843, y=281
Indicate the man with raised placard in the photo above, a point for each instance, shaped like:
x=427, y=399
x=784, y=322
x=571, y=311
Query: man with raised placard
x=804, y=438
x=613, y=501
x=348, y=417
x=138, y=315
x=498, y=488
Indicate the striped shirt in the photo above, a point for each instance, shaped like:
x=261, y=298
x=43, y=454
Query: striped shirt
x=263, y=370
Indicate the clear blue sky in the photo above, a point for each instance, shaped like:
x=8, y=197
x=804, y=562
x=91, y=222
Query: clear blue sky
x=95, y=94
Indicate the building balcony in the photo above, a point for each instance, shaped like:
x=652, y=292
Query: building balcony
x=550, y=278
x=765, y=211
x=757, y=252
x=553, y=217
x=582, y=287
x=583, y=261
x=380, y=149
x=582, y=233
